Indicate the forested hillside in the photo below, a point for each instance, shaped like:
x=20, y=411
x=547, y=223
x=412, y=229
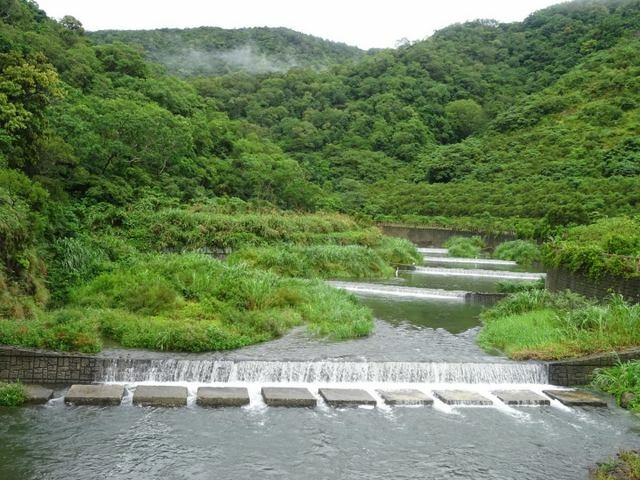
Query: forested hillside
x=217, y=51
x=536, y=119
x=110, y=167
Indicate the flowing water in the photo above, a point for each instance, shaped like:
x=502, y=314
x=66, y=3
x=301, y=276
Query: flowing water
x=423, y=339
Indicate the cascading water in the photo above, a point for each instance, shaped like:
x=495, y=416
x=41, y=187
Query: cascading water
x=499, y=274
x=405, y=292
x=225, y=371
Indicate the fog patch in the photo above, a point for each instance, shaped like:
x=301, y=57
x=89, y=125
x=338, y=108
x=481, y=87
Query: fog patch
x=218, y=62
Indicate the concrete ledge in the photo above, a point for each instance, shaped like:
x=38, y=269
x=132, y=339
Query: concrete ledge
x=160, y=396
x=37, y=395
x=288, y=397
x=346, y=397
x=222, y=397
x=576, y=398
x=95, y=394
x=405, y=397
x=521, y=397
x=461, y=397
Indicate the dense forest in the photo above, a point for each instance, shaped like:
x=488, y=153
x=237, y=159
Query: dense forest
x=216, y=51
x=108, y=161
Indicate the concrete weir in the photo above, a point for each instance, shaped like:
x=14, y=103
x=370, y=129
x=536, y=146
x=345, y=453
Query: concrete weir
x=160, y=396
x=461, y=397
x=521, y=397
x=405, y=397
x=576, y=398
x=288, y=397
x=95, y=394
x=37, y=395
x=464, y=272
x=346, y=397
x=222, y=397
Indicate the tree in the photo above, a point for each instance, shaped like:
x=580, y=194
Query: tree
x=465, y=117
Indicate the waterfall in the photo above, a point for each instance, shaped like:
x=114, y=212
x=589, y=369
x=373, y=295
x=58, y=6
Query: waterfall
x=395, y=291
x=253, y=371
x=463, y=272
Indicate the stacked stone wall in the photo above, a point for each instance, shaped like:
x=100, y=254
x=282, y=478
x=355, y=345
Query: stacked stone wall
x=39, y=366
x=580, y=371
x=559, y=279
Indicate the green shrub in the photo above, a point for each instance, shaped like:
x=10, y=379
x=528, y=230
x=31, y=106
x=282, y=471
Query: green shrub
x=469, y=247
x=12, y=394
x=619, y=380
x=509, y=286
x=522, y=251
x=625, y=466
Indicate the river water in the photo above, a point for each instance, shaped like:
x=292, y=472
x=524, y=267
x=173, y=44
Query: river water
x=422, y=343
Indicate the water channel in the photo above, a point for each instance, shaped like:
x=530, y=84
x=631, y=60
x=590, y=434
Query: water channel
x=418, y=342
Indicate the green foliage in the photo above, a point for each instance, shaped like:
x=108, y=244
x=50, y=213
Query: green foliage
x=195, y=303
x=609, y=246
x=12, y=394
x=318, y=261
x=507, y=286
x=621, y=379
x=540, y=325
x=469, y=247
x=216, y=51
x=522, y=251
x=625, y=466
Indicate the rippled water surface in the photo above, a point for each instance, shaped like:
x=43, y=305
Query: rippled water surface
x=59, y=442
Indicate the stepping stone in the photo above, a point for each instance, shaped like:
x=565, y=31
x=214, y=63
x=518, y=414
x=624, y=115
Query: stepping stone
x=521, y=397
x=461, y=397
x=160, y=396
x=405, y=397
x=288, y=397
x=37, y=395
x=345, y=397
x=95, y=394
x=576, y=398
x=222, y=397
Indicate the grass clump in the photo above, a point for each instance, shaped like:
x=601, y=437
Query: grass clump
x=67, y=329
x=521, y=251
x=540, y=325
x=329, y=261
x=196, y=303
x=623, y=382
x=468, y=247
x=12, y=394
x=625, y=466
x=509, y=286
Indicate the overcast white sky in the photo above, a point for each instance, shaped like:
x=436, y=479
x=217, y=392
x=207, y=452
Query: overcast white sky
x=365, y=23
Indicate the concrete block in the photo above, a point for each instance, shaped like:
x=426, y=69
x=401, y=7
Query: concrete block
x=576, y=398
x=521, y=397
x=288, y=397
x=222, y=397
x=405, y=397
x=95, y=394
x=345, y=397
x=37, y=395
x=160, y=396
x=461, y=397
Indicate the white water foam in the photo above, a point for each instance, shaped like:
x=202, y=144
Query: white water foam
x=380, y=290
x=463, y=272
x=469, y=261
x=259, y=371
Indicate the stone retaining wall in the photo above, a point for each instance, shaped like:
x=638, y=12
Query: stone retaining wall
x=559, y=279
x=39, y=366
x=580, y=371
x=436, y=237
